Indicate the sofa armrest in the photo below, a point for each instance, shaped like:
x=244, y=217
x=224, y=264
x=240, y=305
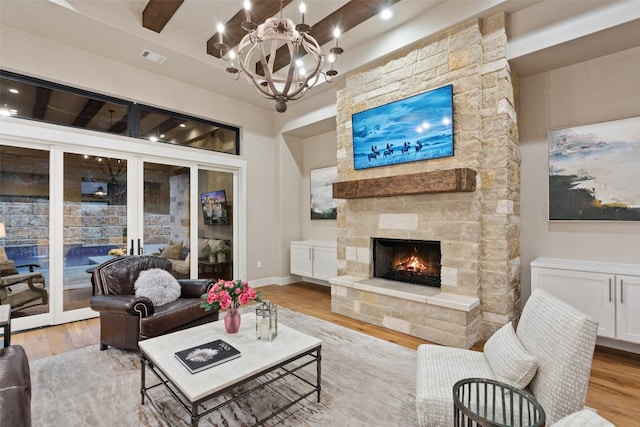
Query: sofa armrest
x=129, y=304
x=15, y=387
x=31, y=266
x=194, y=288
x=22, y=278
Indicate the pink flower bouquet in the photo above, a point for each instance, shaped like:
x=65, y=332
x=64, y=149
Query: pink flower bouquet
x=228, y=294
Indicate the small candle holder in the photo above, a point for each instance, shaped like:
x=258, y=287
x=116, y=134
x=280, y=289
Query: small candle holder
x=266, y=321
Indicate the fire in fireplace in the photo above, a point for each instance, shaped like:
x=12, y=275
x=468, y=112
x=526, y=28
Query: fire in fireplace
x=409, y=261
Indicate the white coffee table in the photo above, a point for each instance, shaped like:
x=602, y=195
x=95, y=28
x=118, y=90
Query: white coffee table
x=290, y=350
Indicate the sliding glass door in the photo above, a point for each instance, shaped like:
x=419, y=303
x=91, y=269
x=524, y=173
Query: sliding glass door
x=215, y=224
x=166, y=219
x=94, y=221
x=24, y=233
x=70, y=201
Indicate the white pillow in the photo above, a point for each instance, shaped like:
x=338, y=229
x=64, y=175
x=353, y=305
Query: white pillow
x=158, y=285
x=509, y=360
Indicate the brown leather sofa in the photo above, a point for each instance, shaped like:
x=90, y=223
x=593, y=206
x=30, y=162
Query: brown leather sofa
x=15, y=387
x=125, y=319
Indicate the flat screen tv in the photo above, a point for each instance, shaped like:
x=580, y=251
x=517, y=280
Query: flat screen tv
x=214, y=207
x=412, y=129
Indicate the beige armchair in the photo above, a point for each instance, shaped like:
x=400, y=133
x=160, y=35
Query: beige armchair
x=21, y=290
x=549, y=354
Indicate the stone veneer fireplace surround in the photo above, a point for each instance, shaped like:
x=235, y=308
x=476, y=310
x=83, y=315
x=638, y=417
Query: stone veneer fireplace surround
x=468, y=202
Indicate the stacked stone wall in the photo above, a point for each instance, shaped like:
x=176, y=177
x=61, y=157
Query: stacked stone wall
x=479, y=231
x=27, y=223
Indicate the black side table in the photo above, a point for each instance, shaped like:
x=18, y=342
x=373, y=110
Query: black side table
x=215, y=270
x=485, y=402
x=5, y=323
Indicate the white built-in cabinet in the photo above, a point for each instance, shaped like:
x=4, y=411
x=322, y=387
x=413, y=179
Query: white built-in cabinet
x=608, y=292
x=315, y=259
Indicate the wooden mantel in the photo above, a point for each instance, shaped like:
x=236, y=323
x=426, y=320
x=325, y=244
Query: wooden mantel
x=443, y=181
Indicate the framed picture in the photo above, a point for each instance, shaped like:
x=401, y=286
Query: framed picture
x=214, y=207
x=594, y=172
x=93, y=188
x=412, y=129
x=323, y=205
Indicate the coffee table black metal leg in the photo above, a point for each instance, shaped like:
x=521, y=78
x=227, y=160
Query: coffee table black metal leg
x=142, y=379
x=195, y=418
x=318, y=373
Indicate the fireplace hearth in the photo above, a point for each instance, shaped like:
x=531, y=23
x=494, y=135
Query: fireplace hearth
x=409, y=261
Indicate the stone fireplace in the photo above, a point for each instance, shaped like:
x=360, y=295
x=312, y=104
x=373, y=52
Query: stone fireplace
x=469, y=202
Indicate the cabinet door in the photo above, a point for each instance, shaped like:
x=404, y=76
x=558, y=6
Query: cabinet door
x=628, y=314
x=591, y=293
x=301, y=260
x=324, y=263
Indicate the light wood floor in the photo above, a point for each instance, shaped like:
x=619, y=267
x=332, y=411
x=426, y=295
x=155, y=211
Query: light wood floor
x=614, y=388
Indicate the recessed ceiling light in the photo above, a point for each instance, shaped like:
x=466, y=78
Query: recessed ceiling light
x=64, y=3
x=12, y=90
x=386, y=14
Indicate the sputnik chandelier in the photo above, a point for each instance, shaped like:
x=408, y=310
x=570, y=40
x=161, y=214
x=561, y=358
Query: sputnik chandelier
x=260, y=51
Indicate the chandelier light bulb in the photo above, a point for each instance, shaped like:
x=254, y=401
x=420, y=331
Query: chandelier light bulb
x=302, y=27
x=220, y=32
x=336, y=33
x=247, y=10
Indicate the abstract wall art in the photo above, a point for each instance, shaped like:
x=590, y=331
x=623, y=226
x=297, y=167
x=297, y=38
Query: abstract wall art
x=323, y=205
x=594, y=172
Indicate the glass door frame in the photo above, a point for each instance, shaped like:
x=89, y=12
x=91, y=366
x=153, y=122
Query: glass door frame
x=58, y=140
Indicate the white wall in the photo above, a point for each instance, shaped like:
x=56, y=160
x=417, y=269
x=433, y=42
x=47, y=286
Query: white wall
x=289, y=212
x=313, y=111
x=598, y=90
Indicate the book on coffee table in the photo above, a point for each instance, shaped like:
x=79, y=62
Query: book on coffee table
x=208, y=355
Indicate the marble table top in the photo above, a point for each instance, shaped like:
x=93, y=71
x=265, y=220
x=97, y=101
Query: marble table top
x=256, y=355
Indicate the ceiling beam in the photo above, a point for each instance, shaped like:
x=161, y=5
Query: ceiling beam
x=157, y=13
x=347, y=17
x=233, y=32
x=164, y=127
x=120, y=126
x=41, y=102
x=89, y=111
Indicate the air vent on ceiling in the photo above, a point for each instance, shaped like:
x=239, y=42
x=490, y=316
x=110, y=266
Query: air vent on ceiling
x=152, y=56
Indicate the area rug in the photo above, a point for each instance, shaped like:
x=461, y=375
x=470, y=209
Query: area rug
x=365, y=382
